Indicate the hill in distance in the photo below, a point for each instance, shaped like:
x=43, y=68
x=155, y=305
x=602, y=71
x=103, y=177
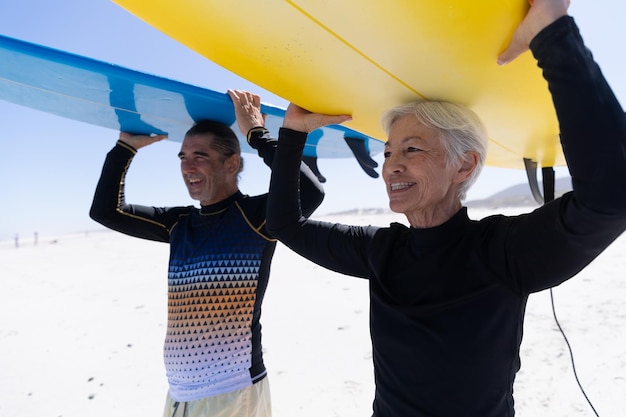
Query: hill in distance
x=520, y=195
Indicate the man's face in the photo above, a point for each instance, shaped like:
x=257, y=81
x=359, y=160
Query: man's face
x=209, y=176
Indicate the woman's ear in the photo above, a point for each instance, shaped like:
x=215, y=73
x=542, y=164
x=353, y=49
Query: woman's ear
x=468, y=165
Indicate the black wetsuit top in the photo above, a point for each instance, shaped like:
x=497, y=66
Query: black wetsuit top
x=447, y=303
x=219, y=267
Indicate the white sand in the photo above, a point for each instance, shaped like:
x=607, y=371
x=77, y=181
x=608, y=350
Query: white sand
x=82, y=321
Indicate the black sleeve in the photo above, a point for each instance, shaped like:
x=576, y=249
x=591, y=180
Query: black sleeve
x=338, y=247
x=311, y=190
x=591, y=120
x=557, y=240
x=283, y=205
x=109, y=207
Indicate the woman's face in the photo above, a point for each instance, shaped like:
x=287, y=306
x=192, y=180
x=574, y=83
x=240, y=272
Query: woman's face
x=419, y=182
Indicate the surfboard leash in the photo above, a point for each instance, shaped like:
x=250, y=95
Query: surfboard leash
x=571, y=353
x=548, y=182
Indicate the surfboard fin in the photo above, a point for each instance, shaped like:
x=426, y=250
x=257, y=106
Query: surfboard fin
x=311, y=162
x=360, y=152
x=548, y=181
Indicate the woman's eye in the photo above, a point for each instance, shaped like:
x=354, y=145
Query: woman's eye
x=409, y=149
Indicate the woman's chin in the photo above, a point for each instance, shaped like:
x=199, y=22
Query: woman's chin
x=396, y=207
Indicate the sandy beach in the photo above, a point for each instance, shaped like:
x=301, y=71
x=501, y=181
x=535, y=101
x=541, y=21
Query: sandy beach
x=83, y=319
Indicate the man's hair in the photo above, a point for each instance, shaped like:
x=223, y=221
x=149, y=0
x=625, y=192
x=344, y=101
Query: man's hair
x=460, y=131
x=224, y=141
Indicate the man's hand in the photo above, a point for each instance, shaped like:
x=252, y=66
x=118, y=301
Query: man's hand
x=247, y=110
x=540, y=15
x=139, y=141
x=301, y=120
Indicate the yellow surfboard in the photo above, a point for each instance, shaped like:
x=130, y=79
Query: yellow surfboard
x=361, y=57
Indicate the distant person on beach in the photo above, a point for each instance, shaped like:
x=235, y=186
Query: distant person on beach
x=219, y=266
x=448, y=294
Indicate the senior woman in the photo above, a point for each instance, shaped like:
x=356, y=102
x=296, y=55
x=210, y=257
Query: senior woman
x=448, y=294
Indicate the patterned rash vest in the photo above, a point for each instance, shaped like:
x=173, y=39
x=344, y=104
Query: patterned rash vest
x=213, y=283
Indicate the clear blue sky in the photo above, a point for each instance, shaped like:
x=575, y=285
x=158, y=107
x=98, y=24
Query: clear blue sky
x=49, y=166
